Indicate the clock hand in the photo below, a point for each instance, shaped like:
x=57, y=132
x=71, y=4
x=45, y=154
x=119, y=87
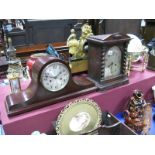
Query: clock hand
x=49, y=76
x=110, y=64
x=59, y=74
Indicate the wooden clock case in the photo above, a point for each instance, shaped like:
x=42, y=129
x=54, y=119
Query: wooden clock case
x=98, y=46
x=36, y=96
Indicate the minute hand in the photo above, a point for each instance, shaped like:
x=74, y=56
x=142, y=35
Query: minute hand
x=59, y=74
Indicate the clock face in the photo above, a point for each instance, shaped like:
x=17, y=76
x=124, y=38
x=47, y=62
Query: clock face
x=112, y=62
x=55, y=76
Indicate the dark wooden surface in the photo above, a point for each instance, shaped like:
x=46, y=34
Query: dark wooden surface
x=38, y=47
x=131, y=26
x=42, y=31
x=26, y=51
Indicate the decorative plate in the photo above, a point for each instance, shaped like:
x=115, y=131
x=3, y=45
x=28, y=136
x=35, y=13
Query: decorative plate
x=79, y=117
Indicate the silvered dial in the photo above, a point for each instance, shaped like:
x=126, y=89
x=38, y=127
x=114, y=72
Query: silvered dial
x=55, y=76
x=112, y=62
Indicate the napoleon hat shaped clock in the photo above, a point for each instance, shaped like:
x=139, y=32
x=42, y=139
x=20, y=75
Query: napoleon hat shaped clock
x=51, y=82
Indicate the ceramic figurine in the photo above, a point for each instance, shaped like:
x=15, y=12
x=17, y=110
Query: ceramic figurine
x=137, y=113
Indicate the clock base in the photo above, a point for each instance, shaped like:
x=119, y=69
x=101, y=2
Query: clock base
x=110, y=85
x=18, y=104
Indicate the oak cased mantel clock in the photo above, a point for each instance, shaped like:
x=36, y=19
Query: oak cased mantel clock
x=107, y=56
x=51, y=82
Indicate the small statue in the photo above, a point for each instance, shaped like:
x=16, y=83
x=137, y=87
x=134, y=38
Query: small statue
x=76, y=47
x=86, y=32
x=73, y=44
x=135, y=115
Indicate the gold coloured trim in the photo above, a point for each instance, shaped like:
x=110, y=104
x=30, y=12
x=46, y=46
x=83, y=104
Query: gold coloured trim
x=73, y=104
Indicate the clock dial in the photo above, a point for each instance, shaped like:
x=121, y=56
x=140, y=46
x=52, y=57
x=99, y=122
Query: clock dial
x=55, y=76
x=112, y=62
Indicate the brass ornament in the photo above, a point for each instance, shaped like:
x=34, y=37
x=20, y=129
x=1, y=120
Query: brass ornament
x=76, y=47
x=65, y=124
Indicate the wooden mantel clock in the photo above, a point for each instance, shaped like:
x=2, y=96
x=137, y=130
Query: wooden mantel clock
x=51, y=82
x=107, y=55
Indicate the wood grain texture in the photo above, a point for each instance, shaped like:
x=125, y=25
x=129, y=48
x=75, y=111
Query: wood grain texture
x=36, y=96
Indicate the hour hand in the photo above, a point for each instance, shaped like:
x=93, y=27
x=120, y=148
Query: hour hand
x=110, y=64
x=47, y=76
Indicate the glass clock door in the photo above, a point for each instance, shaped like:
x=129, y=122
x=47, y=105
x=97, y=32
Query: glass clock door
x=112, y=62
